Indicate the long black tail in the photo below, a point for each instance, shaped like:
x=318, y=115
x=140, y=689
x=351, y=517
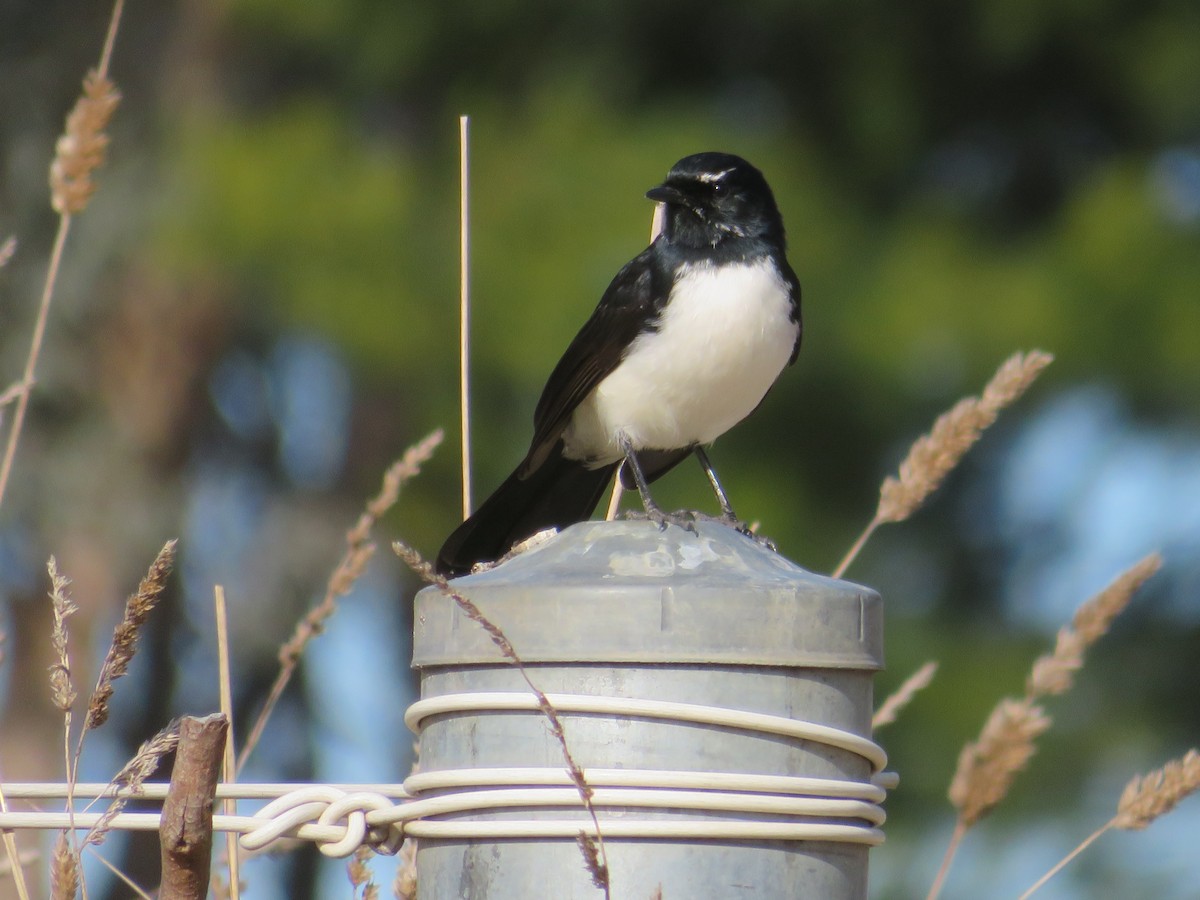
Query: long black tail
x=559, y=493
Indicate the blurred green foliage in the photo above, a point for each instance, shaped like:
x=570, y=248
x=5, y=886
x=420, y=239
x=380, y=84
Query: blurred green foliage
x=959, y=179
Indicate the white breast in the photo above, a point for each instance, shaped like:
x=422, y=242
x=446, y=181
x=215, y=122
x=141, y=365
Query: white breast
x=721, y=343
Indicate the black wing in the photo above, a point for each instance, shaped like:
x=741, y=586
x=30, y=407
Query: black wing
x=629, y=306
x=789, y=276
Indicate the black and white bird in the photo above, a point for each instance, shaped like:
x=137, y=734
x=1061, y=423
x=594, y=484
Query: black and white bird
x=684, y=344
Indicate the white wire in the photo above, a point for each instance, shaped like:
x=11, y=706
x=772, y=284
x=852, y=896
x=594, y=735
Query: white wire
x=471, y=801
x=625, y=828
x=767, y=784
x=340, y=818
x=157, y=790
x=650, y=709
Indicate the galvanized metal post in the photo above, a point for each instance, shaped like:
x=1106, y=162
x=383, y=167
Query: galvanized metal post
x=717, y=695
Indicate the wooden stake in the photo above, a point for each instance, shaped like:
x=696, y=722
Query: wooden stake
x=186, y=833
x=464, y=314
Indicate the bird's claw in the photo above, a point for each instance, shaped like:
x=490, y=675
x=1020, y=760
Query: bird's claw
x=741, y=527
x=683, y=518
x=687, y=519
x=762, y=540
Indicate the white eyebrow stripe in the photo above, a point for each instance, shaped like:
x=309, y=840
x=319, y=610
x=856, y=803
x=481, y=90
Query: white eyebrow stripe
x=709, y=177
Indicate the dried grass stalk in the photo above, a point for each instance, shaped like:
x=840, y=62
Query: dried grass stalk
x=404, y=887
x=349, y=569
x=1156, y=793
x=133, y=775
x=595, y=856
x=15, y=859
x=1054, y=673
x=61, y=687
x=135, y=889
x=12, y=392
x=62, y=690
x=359, y=872
x=64, y=870
x=903, y=695
x=1144, y=799
x=81, y=129
x=228, y=770
x=124, y=643
x=987, y=766
x=590, y=848
x=81, y=148
x=986, y=769
x=934, y=455
x=26, y=858
x=357, y=869
x=1093, y=619
x=359, y=550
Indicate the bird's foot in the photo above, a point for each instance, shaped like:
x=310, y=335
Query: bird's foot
x=684, y=518
x=741, y=527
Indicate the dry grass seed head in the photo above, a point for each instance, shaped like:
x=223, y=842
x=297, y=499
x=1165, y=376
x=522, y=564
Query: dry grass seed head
x=357, y=869
x=591, y=858
x=133, y=775
x=358, y=549
x=1093, y=619
x=124, y=642
x=61, y=687
x=1054, y=673
x=903, y=695
x=404, y=887
x=987, y=767
x=404, y=469
x=1149, y=796
x=80, y=150
x=935, y=454
x=64, y=870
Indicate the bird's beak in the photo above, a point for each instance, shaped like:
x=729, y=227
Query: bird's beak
x=665, y=193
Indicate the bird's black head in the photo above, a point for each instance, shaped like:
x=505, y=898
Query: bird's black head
x=715, y=199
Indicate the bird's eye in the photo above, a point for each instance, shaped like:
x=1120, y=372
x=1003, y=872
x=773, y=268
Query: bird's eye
x=720, y=189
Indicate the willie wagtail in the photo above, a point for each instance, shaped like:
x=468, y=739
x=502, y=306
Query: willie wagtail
x=684, y=344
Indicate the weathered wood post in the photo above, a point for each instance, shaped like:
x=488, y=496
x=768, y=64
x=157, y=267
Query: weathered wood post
x=186, y=833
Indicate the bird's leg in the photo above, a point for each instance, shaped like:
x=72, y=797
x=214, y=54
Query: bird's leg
x=639, y=477
x=727, y=512
x=652, y=510
x=728, y=517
